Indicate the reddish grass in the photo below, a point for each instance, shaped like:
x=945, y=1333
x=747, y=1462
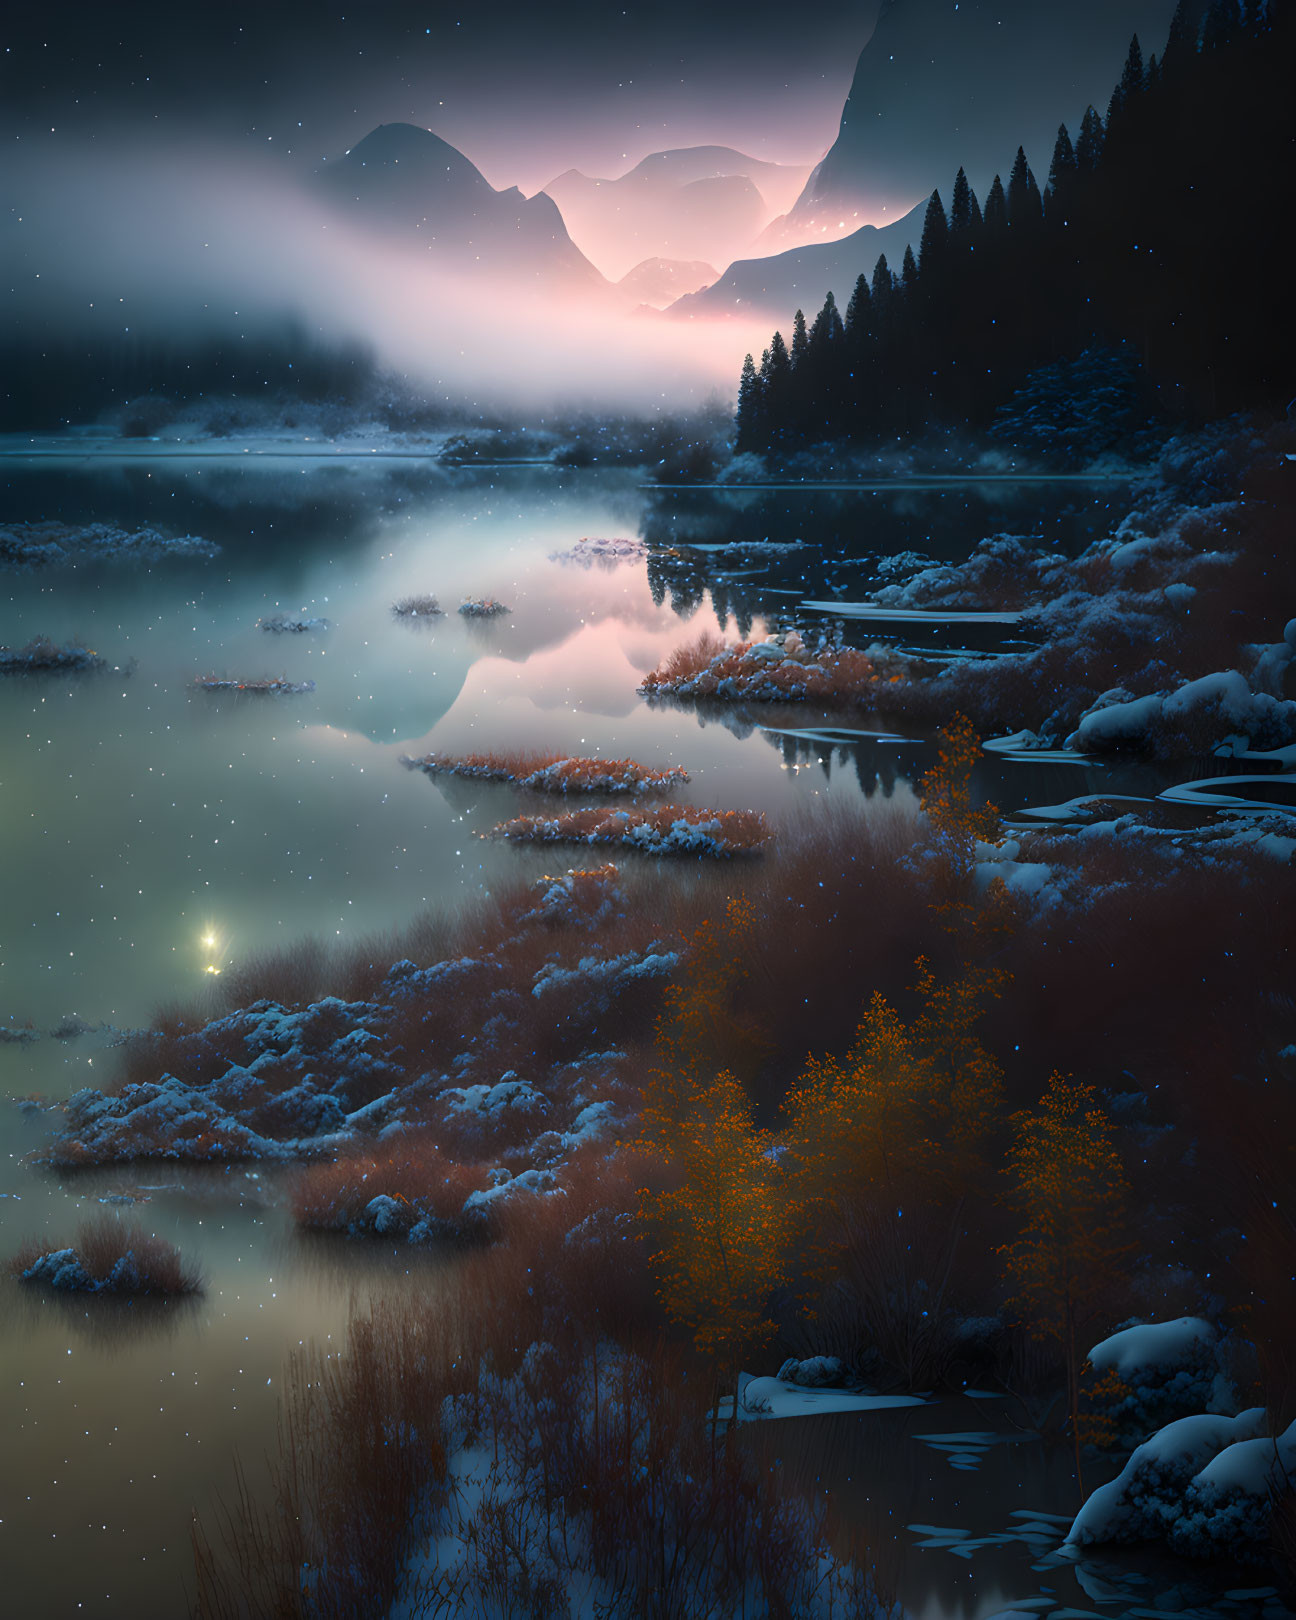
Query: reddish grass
x=553, y=773
x=360, y=1448
x=835, y=677
x=100, y=1243
x=415, y=1172
x=661, y=831
x=674, y=1522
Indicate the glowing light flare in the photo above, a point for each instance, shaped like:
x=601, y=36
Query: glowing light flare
x=214, y=946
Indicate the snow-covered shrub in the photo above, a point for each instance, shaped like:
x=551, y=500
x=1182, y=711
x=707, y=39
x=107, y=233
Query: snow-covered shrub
x=1215, y=713
x=1146, y=1498
x=1074, y=410
x=684, y=831
x=1160, y=1371
x=1228, y=1505
x=50, y=544
x=108, y=1257
x=552, y=773
x=410, y=1189
x=776, y=670
x=41, y=656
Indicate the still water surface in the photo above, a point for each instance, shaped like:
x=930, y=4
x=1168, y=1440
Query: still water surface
x=154, y=833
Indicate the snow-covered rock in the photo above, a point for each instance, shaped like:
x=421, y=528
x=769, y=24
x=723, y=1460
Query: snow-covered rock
x=1147, y=1497
x=1228, y=1504
x=815, y=1372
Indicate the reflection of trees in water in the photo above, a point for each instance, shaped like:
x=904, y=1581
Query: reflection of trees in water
x=768, y=587
x=947, y=520
x=102, y=1321
x=876, y=768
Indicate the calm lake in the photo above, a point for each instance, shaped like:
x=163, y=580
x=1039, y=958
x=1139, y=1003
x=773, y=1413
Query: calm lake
x=154, y=833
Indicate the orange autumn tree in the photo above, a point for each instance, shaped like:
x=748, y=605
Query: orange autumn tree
x=722, y=1224
x=699, y=1035
x=955, y=821
x=1069, y=1185
x=722, y=1231
x=885, y=1146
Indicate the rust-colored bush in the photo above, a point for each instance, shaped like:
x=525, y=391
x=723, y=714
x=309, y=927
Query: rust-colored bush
x=686, y=830
x=553, y=773
x=100, y=1246
x=414, y=1172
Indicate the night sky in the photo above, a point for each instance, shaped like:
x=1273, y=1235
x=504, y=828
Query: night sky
x=524, y=90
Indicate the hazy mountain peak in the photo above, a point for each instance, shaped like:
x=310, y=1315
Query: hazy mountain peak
x=939, y=86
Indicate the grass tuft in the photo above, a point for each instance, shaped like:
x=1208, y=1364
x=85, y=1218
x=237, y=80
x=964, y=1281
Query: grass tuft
x=552, y=773
x=113, y=1258
x=665, y=831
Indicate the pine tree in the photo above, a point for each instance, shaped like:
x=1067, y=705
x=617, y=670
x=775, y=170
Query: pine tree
x=996, y=211
x=800, y=339
x=826, y=333
x=909, y=274
x=780, y=362
x=965, y=212
x=858, y=312
x=1089, y=147
x=748, y=405
x=883, y=283
x=1133, y=80
x=1069, y=1186
x=934, y=245
x=778, y=376
x=1223, y=22
x=1185, y=26
x=1025, y=208
x=1062, y=175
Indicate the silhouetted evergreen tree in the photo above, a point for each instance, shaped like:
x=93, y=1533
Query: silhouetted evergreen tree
x=1089, y=147
x=1185, y=26
x=996, y=211
x=1025, y=208
x=933, y=248
x=909, y=274
x=858, y=312
x=827, y=331
x=1062, y=177
x=800, y=339
x=1115, y=266
x=965, y=211
x=1223, y=20
x=748, y=406
x=1131, y=83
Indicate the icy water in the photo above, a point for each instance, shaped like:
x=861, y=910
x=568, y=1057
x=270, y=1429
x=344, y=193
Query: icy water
x=155, y=834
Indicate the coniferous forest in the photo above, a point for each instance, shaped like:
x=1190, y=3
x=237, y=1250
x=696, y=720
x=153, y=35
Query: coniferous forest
x=1147, y=265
